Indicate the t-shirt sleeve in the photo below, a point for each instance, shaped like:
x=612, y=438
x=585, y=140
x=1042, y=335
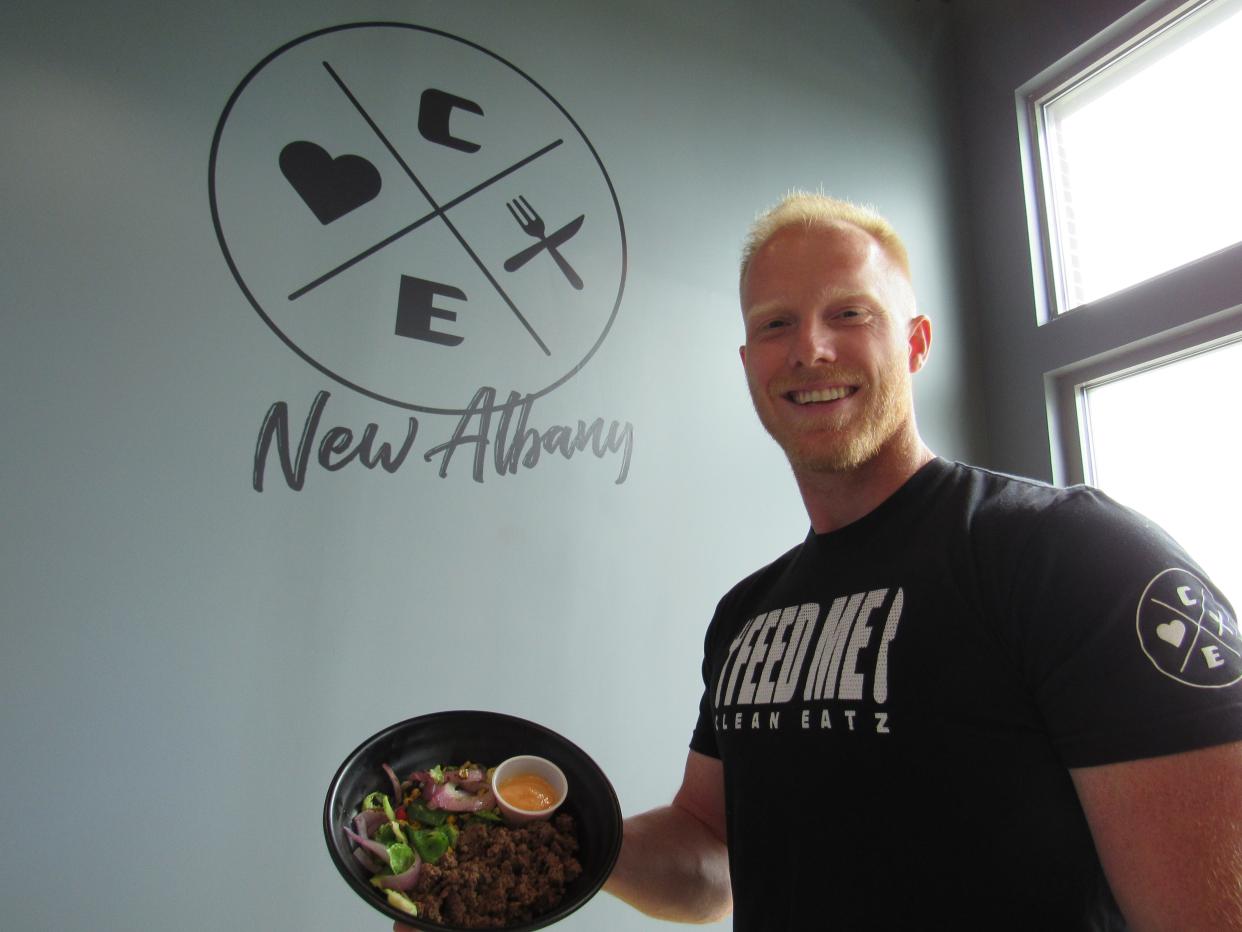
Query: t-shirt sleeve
x=703, y=738
x=1128, y=649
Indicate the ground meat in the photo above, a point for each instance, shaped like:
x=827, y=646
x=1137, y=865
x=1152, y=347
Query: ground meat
x=498, y=875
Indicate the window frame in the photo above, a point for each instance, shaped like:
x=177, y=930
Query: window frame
x=1082, y=389
x=1192, y=307
x=1066, y=389
x=1107, y=58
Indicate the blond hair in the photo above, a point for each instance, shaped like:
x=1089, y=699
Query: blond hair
x=810, y=210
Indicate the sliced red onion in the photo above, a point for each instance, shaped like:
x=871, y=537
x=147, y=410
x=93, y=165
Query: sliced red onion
x=426, y=781
x=373, y=864
x=469, y=777
x=396, y=786
x=368, y=821
x=450, y=797
x=372, y=846
x=403, y=881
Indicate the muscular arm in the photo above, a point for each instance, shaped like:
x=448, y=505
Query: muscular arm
x=674, y=863
x=1169, y=833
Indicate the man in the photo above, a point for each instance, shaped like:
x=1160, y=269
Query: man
x=965, y=700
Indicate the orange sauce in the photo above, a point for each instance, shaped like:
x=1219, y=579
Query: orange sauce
x=528, y=791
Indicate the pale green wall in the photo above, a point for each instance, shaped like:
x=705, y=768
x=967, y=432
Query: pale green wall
x=185, y=660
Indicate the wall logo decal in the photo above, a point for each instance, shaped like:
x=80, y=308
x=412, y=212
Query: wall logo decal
x=418, y=219
x=330, y=187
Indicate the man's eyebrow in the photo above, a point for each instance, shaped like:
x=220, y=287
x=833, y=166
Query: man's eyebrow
x=763, y=307
x=827, y=296
x=844, y=296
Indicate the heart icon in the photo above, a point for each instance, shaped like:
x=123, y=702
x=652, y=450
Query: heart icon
x=330, y=187
x=1172, y=632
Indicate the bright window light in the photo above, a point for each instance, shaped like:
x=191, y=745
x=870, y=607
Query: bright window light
x=1167, y=442
x=1142, y=157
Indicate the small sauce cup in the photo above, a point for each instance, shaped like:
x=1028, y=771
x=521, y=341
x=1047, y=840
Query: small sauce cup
x=528, y=766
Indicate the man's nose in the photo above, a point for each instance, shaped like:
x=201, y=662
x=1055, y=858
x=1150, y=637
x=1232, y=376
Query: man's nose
x=813, y=344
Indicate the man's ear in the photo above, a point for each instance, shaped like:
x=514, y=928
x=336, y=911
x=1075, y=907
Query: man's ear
x=920, y=342
x=742, y=352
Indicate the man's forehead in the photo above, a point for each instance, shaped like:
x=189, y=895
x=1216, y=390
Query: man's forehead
x=836, y=237
x=842, y=262
x=832, y=258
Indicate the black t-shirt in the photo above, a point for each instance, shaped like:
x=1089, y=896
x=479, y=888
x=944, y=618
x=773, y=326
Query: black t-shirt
x=897, y=704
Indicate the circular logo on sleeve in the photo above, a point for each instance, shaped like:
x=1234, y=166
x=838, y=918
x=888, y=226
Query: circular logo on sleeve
x=1187, y=633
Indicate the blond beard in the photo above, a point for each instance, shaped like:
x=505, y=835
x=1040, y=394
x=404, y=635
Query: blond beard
x=839, y=444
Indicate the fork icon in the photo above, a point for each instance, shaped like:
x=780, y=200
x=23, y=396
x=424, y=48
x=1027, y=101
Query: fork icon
x=532, y=224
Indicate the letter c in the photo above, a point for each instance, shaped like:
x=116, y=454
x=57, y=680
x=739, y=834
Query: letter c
x=434, y=110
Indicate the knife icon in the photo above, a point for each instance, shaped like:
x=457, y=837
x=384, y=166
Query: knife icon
x=532, y=224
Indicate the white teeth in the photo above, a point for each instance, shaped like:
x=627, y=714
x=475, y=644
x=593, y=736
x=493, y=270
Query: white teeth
x=827, y=394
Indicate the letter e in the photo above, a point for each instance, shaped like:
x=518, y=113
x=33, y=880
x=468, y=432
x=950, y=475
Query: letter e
x=415, y=310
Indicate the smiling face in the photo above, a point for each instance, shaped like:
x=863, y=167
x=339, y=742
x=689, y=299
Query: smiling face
x=831, y=342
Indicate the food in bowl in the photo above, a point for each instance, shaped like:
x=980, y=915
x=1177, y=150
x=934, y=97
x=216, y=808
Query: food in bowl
x=528, y=788
x=438, y=848
x=528, y=791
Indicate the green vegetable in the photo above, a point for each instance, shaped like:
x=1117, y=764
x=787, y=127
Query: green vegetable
x=487, y=815
x=419, y=812
x=399, y=900
x=400, y=857
x=430, y=843
x=392, y=818
x=437, y=773
x=377, y=800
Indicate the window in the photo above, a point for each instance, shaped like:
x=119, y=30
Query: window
x=1166, y=439
x=1137, y=155
x=1134, y=193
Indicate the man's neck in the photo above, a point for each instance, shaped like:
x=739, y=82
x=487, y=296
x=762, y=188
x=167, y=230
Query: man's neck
x=836, y=499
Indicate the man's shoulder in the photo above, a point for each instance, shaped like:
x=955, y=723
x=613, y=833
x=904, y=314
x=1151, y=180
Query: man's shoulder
x=991, y=486
x=1009, y=513
x=1000, y=495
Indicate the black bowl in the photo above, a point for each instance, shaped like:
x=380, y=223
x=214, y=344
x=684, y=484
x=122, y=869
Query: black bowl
x=486, y=738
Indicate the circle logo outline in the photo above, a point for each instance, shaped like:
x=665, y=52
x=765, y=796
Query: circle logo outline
x=1147, y=628
x=289, y=341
